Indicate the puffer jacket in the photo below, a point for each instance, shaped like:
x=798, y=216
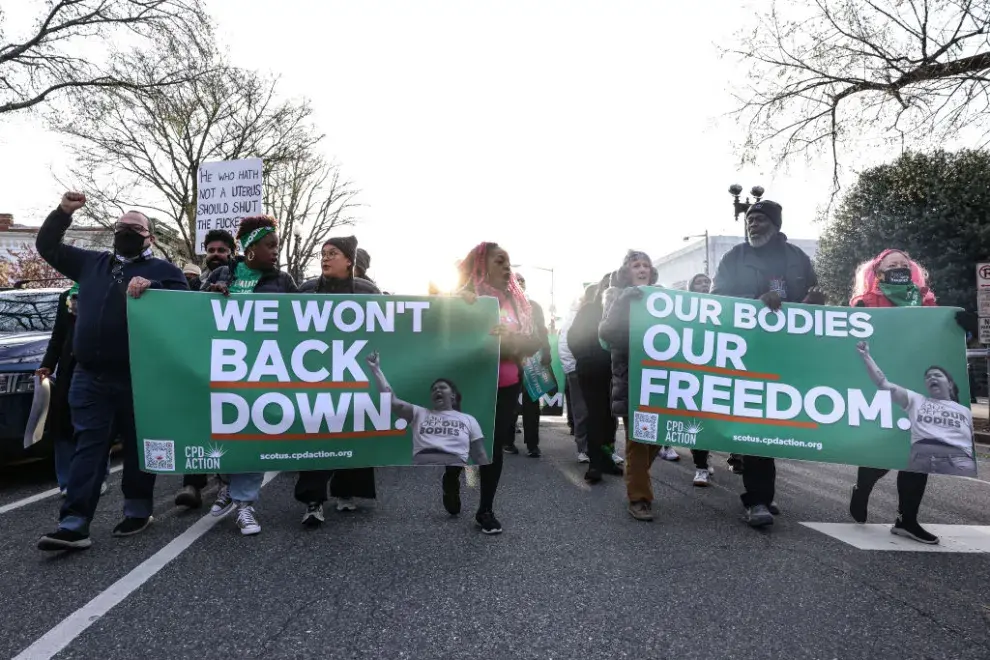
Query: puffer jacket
x=613, y=332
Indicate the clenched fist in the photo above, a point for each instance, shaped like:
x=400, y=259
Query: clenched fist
x=72, y=201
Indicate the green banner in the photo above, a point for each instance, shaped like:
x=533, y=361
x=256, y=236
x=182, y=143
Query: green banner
x=883, y=388
x=255, y=383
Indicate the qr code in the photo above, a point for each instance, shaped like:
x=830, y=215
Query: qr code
x=159, y=455
x=645, y=426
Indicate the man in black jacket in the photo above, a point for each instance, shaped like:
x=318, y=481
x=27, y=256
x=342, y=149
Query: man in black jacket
x=768, y=268
x=101, y=397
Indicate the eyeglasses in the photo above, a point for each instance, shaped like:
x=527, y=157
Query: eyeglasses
x=120, y=226
x=331, y=253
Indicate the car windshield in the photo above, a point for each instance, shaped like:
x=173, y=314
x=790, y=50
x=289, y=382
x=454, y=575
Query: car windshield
x=22, y=311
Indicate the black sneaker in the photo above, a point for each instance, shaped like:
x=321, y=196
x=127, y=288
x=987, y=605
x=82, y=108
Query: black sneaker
x=64, y=539
x=758, y=516
x=314, y=515
x=452, y=501
x=511, y=449
x=858, y=505
x=914, y=531
x=132, y=526
x=189, y=497
x=488, y=523
x=534, y=452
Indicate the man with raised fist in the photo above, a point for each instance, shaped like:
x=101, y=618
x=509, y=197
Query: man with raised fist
x=100, y=396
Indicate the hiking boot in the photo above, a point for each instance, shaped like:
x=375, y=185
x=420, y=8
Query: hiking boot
x=189, y=497
x=64, y=539
x=641, y=511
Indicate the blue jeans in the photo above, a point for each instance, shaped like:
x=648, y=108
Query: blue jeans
x=245, y=487
x=64, y=449
x=101, y=403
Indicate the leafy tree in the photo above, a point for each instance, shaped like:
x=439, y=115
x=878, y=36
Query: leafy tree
x=934, y=206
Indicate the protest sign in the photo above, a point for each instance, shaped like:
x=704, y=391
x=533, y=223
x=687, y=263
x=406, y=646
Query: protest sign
x=254, y=383
x=226, y=192
x=872, y=387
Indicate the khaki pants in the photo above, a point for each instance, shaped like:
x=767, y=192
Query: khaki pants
x=639, y=458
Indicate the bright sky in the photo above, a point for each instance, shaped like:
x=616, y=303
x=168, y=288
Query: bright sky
x=566, y=131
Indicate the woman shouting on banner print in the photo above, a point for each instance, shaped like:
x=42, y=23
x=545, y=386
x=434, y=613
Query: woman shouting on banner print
x=442, y=435
x=941, y=427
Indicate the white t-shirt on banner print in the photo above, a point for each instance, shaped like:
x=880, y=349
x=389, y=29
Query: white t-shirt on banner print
x=946, y=421
x=447, y=431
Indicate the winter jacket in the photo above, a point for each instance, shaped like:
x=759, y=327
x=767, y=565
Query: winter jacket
x=613, y=332
x=273, y=281
x=877, y=299
x=59, y=356
x=742, y=272
x=100, y=340
x=322, y=284
x=591, y=359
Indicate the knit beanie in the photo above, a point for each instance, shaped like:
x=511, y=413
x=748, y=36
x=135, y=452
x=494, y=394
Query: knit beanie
x=347, y=246
x=772, y=210
x=363, y=259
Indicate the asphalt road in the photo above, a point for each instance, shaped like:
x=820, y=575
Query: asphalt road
x=573, y=576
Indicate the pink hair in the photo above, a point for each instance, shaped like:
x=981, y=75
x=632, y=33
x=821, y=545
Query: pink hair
x=866, y=281
x=474, y=273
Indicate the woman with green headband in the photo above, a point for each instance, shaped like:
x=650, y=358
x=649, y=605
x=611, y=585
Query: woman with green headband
x=254, y=272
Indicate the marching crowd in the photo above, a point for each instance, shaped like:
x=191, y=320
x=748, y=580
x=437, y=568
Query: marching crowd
x=93, y=400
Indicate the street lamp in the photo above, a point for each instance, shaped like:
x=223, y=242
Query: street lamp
x=705, y=235
x=741, y=207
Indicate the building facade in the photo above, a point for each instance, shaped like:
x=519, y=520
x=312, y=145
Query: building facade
x=676, y=269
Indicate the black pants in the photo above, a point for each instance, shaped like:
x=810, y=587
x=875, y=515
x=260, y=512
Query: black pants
x=700, y=457
x=311, y=486
x=505, y=431
x=597, y=392
x=567, y=404
x=531, y=422
x=910, y=489
x=197, y=481
x=759, y=480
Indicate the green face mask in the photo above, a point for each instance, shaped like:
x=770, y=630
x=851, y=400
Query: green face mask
x=902, y=295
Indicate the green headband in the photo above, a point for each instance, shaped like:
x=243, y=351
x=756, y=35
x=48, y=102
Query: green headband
x=254, y=237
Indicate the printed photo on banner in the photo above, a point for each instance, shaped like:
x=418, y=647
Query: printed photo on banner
x=876, y=387
x=298, y=382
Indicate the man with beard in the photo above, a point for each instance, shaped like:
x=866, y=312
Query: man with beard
x=220, y=251
x=768, y=268
x=100, y=398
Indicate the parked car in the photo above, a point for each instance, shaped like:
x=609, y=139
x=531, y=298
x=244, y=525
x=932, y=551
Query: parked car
x=27, y=317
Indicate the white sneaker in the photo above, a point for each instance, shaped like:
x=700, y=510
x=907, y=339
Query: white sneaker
x=618, y=460
x=702, y=478
x=346, y=504
x=583, y=457
x=246, y=520
x=668, y=454
x=224, y=503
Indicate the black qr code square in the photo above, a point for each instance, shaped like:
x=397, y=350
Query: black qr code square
x=645, y=426
x=159, y=455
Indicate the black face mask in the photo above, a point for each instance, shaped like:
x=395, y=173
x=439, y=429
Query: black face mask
x=896, y=276
x=128, y=243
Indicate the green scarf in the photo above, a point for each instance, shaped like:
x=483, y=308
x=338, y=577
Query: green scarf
x=245, y=279
x=902, y=295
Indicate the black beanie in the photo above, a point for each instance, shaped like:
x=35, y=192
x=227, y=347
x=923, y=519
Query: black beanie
x=772, y=210
x=347, y=246
x=363, y=259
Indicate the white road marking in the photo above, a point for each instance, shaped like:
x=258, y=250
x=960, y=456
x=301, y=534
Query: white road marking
x=43, y=496
x=56, y=639
x=953, y=538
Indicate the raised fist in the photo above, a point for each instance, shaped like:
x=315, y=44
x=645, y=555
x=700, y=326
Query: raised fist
x=72, y=201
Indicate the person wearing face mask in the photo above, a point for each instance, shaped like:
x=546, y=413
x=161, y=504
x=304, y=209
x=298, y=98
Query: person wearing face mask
x=192, y=273
x=768, y=268
x=703, y=471
x=893, y=279
x=486, y=271
x=338, y=261
x=637, y=271
x=255, y=272
x=100, y=397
